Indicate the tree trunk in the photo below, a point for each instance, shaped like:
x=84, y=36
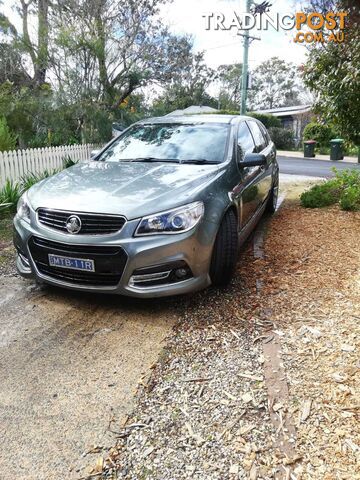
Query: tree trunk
x=39, y=53
x=41, y=63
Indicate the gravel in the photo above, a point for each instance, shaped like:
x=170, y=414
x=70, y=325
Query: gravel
x=7, y=261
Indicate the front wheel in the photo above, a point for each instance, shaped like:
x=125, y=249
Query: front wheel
x=273, y=197
x=224, y=256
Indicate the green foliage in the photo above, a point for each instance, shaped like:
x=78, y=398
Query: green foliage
x=224, y=112
x=343, y=189
x=275, y=84
x=350, y=199
x=229, y=78
x=68, y=162
x=100, y=57
x=12, y=191
x=319, y=132
x=7, y=139
x=322, y=195
x=9, y=196
x=282, y=137
x=188, y=88
x=332, y=72
x=267, y=119
x=31, y=179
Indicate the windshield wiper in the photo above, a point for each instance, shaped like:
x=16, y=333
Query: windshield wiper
x=198, y=161
x=154, y=159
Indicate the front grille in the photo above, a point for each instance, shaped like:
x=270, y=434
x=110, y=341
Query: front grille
x=109, y=262
x=91, y=223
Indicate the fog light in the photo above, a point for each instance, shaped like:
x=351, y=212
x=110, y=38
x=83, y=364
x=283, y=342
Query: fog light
x=181, y=273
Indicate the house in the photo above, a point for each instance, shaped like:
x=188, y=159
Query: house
x=293, y=118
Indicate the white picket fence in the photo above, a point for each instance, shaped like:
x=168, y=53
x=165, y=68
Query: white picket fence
x=17, y=163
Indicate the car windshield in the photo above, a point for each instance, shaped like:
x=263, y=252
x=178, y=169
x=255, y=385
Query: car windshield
x=196, y=143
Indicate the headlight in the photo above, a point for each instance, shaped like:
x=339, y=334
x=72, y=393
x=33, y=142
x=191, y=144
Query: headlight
x=178, y=220
x=23, y=209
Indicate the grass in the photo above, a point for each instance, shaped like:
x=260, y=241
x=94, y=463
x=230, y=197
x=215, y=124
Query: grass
x=6, y=229
x=343, y=190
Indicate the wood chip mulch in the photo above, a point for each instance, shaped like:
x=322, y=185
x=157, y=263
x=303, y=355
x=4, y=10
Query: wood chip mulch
x=205, y=411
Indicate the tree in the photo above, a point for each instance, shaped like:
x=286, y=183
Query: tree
x=275, y=84
x=114, y=48
x=75, y=66
x=7, y=139
x=21, y=42
x=187, y=88
x=229, y=77
x=332, y=72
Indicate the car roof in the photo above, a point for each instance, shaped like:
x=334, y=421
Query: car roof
x=202, y=118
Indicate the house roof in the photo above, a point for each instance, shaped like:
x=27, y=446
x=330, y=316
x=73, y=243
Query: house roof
x=287, y=111
x=187, y=119
x=193, y=110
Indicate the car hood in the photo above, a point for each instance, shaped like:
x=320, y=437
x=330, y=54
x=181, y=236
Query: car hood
x=129, y=189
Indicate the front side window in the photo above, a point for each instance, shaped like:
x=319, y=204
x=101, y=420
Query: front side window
x=265, y=133
x=245, y=140
x=258, y=136
x=170, y=142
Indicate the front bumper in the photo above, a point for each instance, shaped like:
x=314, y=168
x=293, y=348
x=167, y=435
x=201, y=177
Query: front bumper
x=193, y=248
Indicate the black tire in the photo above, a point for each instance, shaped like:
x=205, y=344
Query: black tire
x=273, y=197
x=225, y=252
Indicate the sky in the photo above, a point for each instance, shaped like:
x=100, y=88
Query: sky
x=225, y=47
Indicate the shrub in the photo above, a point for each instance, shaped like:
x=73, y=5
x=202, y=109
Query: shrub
x=9, y=196
x=268, y=120
x=323, y=195
x=31, y=179
x=343, y=189
x=350, y=199
x=282, y=137
x=321, y=133
x=68, y=162
x=7, y=139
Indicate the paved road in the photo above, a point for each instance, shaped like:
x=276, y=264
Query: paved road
x=312, y=168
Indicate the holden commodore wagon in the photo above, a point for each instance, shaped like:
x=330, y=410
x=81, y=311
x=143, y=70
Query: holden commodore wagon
x=161, y=210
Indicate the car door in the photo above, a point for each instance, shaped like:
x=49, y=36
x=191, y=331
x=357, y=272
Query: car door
x=263, y=146
x=248, y=189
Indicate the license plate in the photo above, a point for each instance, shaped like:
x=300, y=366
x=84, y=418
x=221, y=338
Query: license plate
x=71, y=263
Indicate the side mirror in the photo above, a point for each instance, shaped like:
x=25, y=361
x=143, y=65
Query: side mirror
x=253, y=160
x=93, y=153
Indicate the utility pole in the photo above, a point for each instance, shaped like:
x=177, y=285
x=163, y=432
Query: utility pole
x=245, y=66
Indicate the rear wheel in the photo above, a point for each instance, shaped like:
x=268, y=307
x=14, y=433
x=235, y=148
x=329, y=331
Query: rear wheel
x=224, y=256
x=273, y=197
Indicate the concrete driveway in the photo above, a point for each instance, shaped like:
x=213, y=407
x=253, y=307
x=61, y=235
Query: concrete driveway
x=69, y=365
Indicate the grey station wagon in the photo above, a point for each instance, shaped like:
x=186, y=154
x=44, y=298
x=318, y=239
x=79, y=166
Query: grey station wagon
x=161, y=210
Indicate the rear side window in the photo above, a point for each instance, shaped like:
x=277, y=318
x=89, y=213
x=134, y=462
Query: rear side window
x=245, y=140
x=259, y=138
